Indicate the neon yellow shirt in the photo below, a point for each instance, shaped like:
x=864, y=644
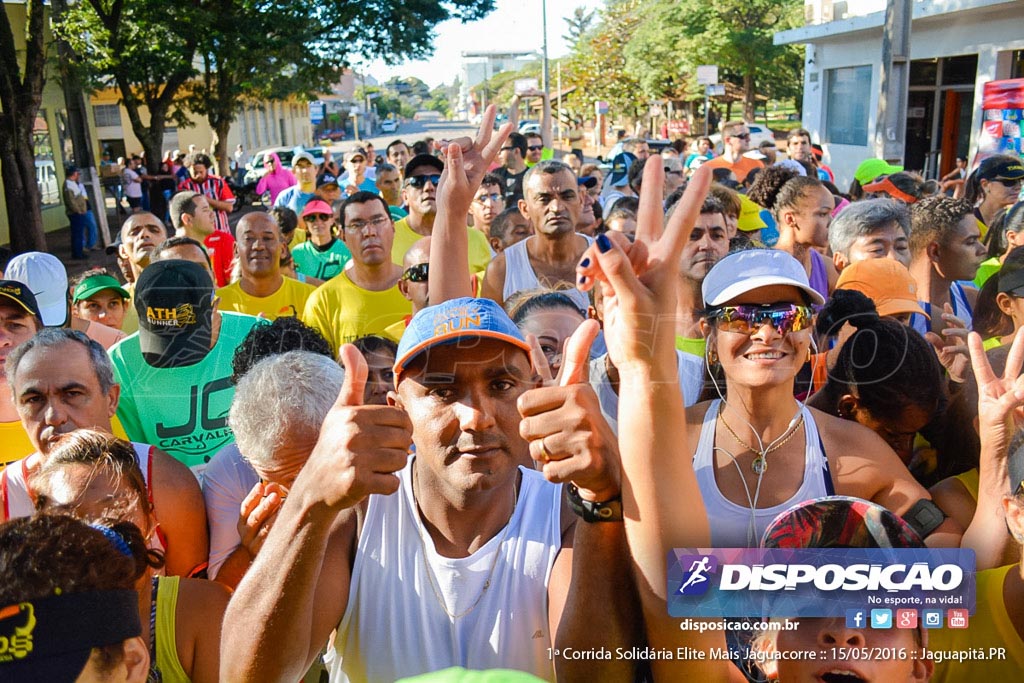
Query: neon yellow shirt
x=288, y=301
x=989, y=627
x=167, y=661
x=343, y=311
x=405, y=237
x=695, y=346
x=14, y=443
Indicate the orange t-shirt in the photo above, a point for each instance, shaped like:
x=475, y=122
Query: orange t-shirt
x=740, y=168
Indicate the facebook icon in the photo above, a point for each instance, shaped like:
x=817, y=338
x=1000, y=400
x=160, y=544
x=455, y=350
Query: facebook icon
x=855, y=618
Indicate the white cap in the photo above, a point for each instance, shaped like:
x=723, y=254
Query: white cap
x=742, y=271
x=299, y=156
x=45, y=275
x=792, y=164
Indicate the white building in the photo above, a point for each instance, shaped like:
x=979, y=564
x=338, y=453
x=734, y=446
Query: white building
x=478, y=67
x=956, y=46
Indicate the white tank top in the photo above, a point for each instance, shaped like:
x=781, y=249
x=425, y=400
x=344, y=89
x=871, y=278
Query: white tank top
x=520, y=276
x=732, y=525
x=19, y=500
x=394, y=625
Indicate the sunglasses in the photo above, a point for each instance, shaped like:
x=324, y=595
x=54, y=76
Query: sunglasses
x=534, y=148
x=748, y=318
x=1011, y=184
x=417, y=273
x=741, y=136
x=493, y=197
x=420, y=181
x=320, y=217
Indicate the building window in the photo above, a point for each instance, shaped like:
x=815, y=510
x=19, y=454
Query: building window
x=959, y=70
x=1017, y=64
x=107, y=115
x=46, y=167
x=847, y=102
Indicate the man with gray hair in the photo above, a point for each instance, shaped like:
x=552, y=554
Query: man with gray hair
x=551, y=202
x=872, y=228
x=63, y=381
x=247, y=481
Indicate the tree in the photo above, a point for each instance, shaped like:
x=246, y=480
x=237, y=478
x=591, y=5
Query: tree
x=147, y=48
x=577, y=25
x=21, y=93
x=258, y=50
x=677, y=35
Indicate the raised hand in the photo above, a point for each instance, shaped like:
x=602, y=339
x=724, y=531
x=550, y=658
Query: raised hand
x=359, y=448
x=257, y=515
x=568, y=435
x=468, y=160
x=1000, y=399
x=951, y=346
x=639, y=287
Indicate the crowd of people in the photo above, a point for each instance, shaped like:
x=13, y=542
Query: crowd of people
x=449, y=409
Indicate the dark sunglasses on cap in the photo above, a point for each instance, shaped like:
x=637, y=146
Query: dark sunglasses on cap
x=420, y=181
x=748, y=318
x=417, y=273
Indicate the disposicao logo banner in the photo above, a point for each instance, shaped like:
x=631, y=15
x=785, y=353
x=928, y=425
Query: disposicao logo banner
x=819, y=582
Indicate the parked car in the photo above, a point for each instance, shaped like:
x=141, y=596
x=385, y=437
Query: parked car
x=529, y=126
x=389, y=126
x=255, y=170
x=758, y=133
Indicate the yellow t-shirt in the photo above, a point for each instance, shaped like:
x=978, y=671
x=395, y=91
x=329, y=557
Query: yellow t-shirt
x=288, y=301
x=14, y=443
x=405, y=237
x=990, y=627
x=130, y=322
x=970, y=481
x=343, y=311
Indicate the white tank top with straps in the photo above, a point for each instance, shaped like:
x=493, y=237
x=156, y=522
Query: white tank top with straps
x=520, y=276
x=733, y=525
x=395, y=625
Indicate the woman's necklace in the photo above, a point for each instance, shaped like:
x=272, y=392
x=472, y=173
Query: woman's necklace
x=760, y=463
x=490, y=572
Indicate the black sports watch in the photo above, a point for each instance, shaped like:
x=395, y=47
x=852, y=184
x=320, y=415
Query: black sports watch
x=589, y=511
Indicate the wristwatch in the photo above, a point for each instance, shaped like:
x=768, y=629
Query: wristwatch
x=589, y=511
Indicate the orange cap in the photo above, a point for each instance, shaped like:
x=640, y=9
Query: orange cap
x=885, y=281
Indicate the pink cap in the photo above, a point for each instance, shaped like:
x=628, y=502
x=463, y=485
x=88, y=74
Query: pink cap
x=317, y=206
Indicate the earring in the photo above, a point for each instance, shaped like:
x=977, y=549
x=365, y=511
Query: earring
x=712, y=356
x=809, y=355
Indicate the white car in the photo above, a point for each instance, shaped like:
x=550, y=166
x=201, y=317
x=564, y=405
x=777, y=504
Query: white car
x=389, y=126
x=758, y=133
x=255, y=169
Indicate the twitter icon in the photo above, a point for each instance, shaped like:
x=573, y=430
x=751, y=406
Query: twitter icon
x=881, y=618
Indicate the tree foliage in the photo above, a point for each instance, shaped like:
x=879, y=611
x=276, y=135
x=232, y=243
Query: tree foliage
x=577, y=25
x=21, y=92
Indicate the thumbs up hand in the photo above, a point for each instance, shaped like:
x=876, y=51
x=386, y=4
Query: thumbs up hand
x=569, y=437
x=359, y=448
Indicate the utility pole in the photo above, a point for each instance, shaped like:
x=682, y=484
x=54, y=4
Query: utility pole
x=545, y=130
x=891, y=119
x=78, y=126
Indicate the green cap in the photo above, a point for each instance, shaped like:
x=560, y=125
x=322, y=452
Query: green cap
x=97, y=283
x=870, y=169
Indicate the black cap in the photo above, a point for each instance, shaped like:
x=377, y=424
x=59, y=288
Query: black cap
x=587, y=181
x=51, y=639
x=326, y=178
x=423, y=160
x=21, y=295
x=174, y=300
x=1001, y=167
x=70, y=170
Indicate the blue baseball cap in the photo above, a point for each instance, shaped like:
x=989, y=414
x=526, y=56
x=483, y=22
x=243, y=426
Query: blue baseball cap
x=453, y=320
x=620, y=169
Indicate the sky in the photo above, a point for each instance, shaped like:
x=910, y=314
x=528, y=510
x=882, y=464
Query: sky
x=513, y=25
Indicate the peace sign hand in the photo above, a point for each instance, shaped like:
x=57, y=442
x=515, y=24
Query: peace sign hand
x=1000, y=399
x=638, y=287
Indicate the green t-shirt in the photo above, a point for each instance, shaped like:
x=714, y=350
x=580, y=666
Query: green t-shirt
x=182, y=411
x=322, y=265
x=986, y=270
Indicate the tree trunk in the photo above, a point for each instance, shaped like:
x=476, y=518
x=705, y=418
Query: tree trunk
x=18, y=166
x=749, y=100
x=221, y=128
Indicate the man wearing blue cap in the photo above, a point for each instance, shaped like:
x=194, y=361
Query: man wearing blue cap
x=464, y=558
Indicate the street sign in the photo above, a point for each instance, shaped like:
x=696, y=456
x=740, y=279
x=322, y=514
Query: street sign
x=527, y=86
x=714, y=90
x=707, y=74
x=316, y=112
x=601, y=107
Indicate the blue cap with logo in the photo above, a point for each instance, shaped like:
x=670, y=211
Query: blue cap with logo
x=620, y=168
x=453, y=321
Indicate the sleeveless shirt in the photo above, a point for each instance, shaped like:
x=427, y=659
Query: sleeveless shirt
x=520, y=275
x=733, y=525
x=395, y=626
